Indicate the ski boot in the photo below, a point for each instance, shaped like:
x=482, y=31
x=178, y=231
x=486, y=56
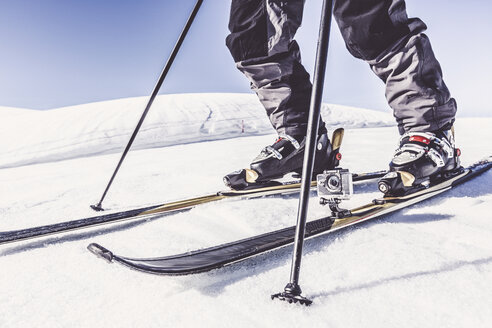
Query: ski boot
x=423, y=158
x=285, y=156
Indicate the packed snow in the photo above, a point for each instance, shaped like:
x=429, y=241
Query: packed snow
x=426, y=266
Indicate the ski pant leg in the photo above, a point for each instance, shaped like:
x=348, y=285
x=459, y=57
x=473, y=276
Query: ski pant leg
x=380, y=32
x=263, y=46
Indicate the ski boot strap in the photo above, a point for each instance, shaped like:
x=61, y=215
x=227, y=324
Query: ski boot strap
x=270, y=151
x=292, y=140
x=426, y=143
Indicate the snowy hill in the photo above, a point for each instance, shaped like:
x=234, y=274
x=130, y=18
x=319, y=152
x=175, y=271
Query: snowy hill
x=426, y=266
x=105, y=127
x=15, y=111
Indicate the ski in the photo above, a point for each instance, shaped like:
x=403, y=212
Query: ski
x=161, y=209
x=219, y=256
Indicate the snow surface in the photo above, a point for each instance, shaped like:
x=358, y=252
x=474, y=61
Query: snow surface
x=426, y=266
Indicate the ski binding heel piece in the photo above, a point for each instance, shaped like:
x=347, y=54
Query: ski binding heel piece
x=333, y=187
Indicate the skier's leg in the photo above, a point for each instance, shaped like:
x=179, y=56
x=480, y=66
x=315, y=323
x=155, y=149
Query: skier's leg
x=263, y=47
x=262, y=44
x=380, y=32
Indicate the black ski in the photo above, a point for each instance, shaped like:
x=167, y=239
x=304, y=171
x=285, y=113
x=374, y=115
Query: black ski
x=145, y=212
x=218, y=256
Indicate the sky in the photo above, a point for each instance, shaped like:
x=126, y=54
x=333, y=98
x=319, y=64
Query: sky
x=57, y=53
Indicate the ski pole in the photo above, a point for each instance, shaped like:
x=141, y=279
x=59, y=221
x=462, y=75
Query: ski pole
x=98, y=206
x=292, y=291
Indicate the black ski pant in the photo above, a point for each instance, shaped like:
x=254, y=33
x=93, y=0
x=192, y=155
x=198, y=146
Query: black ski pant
x=377, y=31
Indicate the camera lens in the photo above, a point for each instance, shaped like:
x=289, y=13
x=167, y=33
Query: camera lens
x=333, y=183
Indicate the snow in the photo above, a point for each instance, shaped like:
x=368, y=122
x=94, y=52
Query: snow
x=425, y=266
x=104, y=127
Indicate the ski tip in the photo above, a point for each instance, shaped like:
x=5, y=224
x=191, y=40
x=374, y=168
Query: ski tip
x=100, y=251
x=97, y=208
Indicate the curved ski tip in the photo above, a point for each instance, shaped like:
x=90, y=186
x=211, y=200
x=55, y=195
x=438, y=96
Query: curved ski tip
x=100, y=251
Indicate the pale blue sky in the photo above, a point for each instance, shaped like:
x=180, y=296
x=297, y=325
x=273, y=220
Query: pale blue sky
x=64, y=52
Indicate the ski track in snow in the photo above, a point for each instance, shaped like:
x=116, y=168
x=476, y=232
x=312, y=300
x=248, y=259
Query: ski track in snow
x=429, y=265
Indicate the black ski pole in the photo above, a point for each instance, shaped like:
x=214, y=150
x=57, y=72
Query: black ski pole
x=98, y=206
x=292, y=291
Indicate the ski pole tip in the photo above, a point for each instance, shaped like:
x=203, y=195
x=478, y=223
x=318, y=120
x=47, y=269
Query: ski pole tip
x=97, y=207
x=292, y=294
x=291, y=298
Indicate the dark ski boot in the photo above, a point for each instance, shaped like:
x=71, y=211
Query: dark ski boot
x=422, y=159
x=285, y=156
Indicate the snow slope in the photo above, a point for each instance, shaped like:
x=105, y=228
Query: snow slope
x=104, y=127
x=426, y=266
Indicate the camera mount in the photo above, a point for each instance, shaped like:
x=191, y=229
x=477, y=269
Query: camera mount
x=333, y=187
